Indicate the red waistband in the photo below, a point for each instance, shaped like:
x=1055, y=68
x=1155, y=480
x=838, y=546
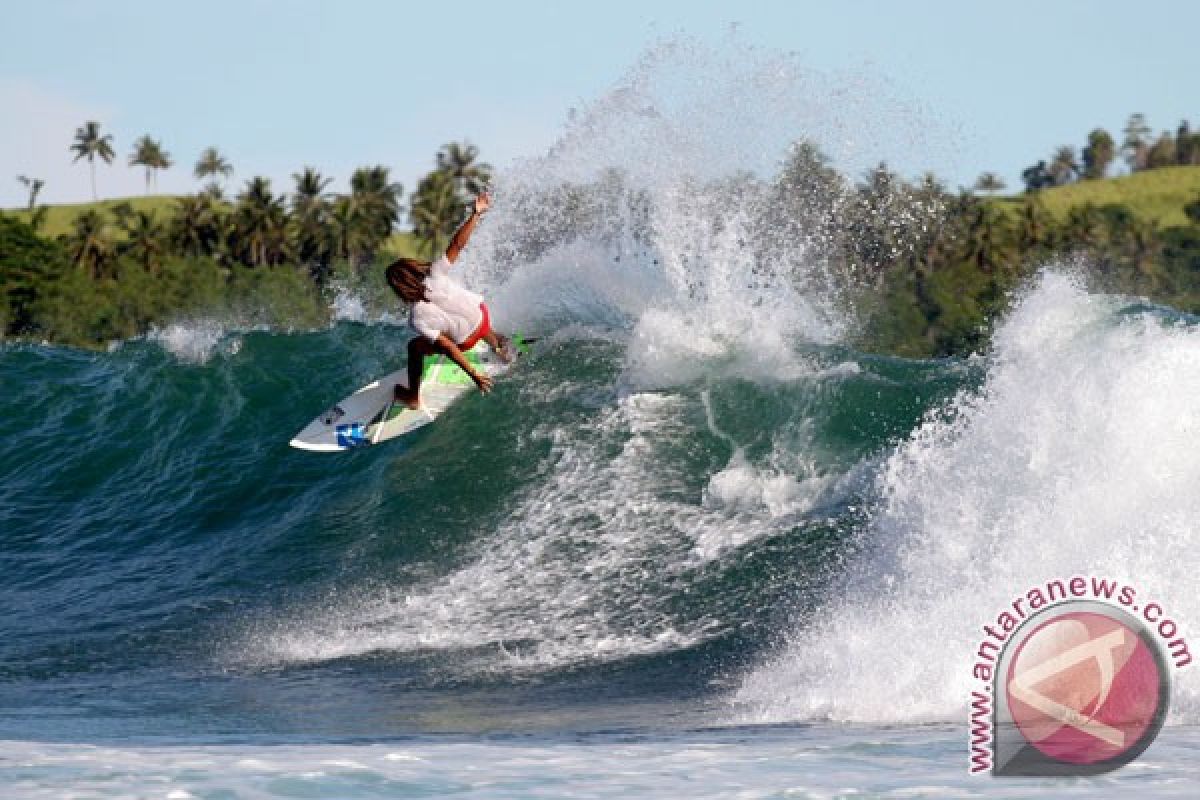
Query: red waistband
x=485, y=327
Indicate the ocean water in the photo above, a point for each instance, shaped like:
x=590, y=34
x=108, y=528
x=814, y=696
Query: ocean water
x=695, y=545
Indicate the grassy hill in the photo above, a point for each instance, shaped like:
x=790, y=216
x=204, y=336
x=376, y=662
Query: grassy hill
x=1157, y=194
x=59, y=218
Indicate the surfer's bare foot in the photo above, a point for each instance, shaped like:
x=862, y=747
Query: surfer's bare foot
x=503, y=349
x=407, y=397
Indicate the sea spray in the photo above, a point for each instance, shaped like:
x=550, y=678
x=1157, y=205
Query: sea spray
x=1077, y=456
x=195, y=342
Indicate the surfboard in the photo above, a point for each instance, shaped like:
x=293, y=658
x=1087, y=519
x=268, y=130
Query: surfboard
x=370, y=415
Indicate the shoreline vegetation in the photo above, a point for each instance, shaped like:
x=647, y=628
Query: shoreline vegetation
x=928, y=268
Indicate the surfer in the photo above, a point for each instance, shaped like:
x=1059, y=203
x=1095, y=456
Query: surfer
x=449, y=318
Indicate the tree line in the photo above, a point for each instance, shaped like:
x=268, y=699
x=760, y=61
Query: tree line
x=118, y=270
x=1139, y=148
x=925, y=268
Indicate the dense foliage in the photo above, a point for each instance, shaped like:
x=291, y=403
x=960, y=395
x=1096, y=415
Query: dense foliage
x=925, y=269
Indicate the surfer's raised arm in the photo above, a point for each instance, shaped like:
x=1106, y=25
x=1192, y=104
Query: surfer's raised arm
x=483, y=202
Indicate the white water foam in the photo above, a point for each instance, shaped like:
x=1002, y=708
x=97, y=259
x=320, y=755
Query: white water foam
x=575, y=573
x=196, y=342
x=816, y=762
x=354, y=304
x=1077, y=456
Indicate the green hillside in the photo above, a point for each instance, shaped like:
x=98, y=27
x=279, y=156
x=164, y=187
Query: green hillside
x=1156, y=194
x=59, y=218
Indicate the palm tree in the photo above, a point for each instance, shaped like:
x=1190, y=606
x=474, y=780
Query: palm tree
x=987, y=236
x=149, y=154
x=460, y=161
x=212, y=163
x=89, y=144
x=121, y=212
x=34, y=185
x=346, y=232
x=195, y=228
x=145, y=236
x=310, y=188
x=310, y=212
x=376, y=201
x=260, y=224
x=989, y=182
x=88, y=242
x=435, y=211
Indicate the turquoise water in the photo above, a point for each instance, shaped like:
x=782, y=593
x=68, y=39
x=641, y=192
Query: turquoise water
x=579, y=584
x=535, y=558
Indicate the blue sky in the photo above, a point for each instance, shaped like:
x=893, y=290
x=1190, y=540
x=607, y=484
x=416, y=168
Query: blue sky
x=279, y=85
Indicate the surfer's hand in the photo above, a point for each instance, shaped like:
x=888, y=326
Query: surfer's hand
x=483, y=201
x=484, y=382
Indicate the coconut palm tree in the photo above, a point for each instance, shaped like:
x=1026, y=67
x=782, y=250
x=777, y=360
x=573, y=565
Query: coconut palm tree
x=435, y=211
x=145, y=238
x=310, y=188
x=89, y=244
x=195, y=227
x=376, y=201
x=459, y=159
x=121, y=212
x=310, y=212
x=149, y=154
x=260, y=224
x=34, y=185
x=212, y=164
x=987, y=236
x=89, y=144
x=345, y=229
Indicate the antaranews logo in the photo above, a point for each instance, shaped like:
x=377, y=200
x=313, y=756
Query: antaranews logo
x=1075, y=680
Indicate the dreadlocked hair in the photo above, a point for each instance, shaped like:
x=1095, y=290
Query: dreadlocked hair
x=407, y=275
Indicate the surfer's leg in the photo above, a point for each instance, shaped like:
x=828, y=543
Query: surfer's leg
x=500, y=345
x=418, y=348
